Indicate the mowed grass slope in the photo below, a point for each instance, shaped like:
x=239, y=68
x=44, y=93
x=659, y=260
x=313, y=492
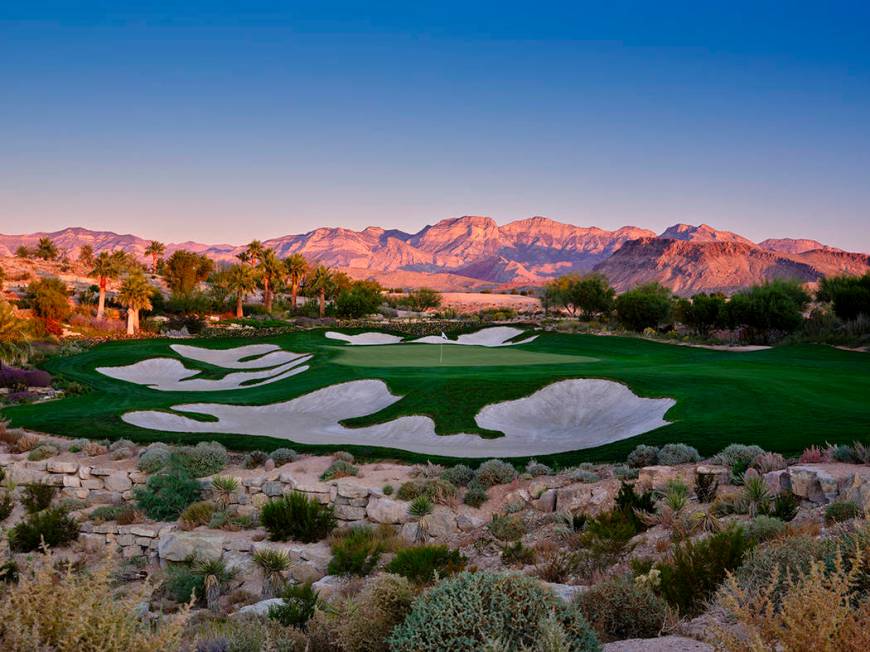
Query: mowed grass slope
x=783, y=399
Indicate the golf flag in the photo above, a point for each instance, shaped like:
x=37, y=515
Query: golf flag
x=443, y=336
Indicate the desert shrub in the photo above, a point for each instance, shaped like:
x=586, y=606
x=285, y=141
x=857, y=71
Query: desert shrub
x=299, y=603
x=420, y=564
x=842, y=510
x=364, y=624
x=196, y=514
x=437, y=490
x=283, y=456
x=248, y=633
x=357, y=550
x=206, y=458
x=633, y=505
x=843, y=453
x=123, y=514
x=475, y=495
x=215, y=576
x=296, y=516
x=77, y=445
x=121, y=443
x=534, y=469
x=344, y=456
x=706, y=485
x=767, y=462
x=642, y=456
x=26, y=442
x=814, y=455
x=427, y=470
x=755, y=497
x=52, y=526
x=494, y=472
x=166, y=495
x=420, y=506
x=785, y=506
x=458, y=475
x=696, y=569
x=469, y=611
x=66, y=610
x=224, y=487
x=625, y=472
x=619, y=608
x=42, y=452
x=556, y=563
x=6, y=505
x=14, y=377
x=674, y=454
x=583, y=475
x=861, y=451
x=154, y=458
x=506, y=528
x=37, y=496
x=517, y=554
x=254, y=460
x=339, y=469
x=763, y=528
x=737, y=457
x=182, y=584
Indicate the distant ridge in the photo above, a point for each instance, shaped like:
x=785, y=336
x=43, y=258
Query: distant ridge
x=474, y=252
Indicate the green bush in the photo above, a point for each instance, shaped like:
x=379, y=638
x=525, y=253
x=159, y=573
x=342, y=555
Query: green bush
x=295, y=516
x=458, y=475
x=618, y=608
x=420, y=563
x=585, y=476
x=472, y=610
x=154, y=458
x=674, y=454
x=495, y=472
x=642, y=456
x=842, y=510
x=37, y=497
x=388, y=490
x=356, y=551
x=52, y=526
x=196, y=514
x=299, y=603
x=182, y=583
x=166, y=495
x=364, y=623
x=6, y=505
x=339, y=469
x=254, y=460
x=632, y=505
x=475, y=496
x=625, y=472
x=763, y=528
x=206, y=458
x=506, y=528
x=42, y=452
x=283, y=456
x=785, y=506
x=737, y=457
x=435, y=489
x=420, y=506
x=696, y=569
x=517, y=554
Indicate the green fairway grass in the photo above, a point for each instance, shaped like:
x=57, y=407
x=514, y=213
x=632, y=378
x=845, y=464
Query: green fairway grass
x=782, y=399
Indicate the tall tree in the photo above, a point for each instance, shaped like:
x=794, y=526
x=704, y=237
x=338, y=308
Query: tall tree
x=49, y=298
x=272, y=273
x=241, y=281
x=184, y=270
x=155, y=249
x=105, y=268
x=46, y=249
x=14, y=337
x=135, y=295
x=86, y=255
x=323, y=283
x=297, y=269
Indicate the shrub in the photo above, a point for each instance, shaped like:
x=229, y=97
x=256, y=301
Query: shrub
x=206, y=458
x=618, y=608
x=763, y=528
x=356, y=551
x=842, y=510
x=166, y=495
x=435, y=489
x=42, y=452
x=120, y=444
x=755, y=497
x=767, y=462
x=153, y=459
x=458, y=475
x=706, y=486
x=388, y=490
x=475, y=496
x=123, y=514
x=420, y=506
x=37, y=496
x=843, y=453
x=674, y=454
x=365, y=624
x=814, y=455
x=295, y=516
x=254, y=459
x=50, y=610
x=299, y=603
x=785, y=506
x=182, y=583
x=535, y=469
x=737, y=457
x=420, y=564
x=6, y=505
x=283, y=456
x=272, y=563
x=339, y=469
x=469, y=611
x=517, y=553
x=696, y=569
x=77, y=445
x=625, y=472
x=584, y=476
x=248, y=633
x=52, y=526
x=632, y=505
x=506, y=528
x=494, y=472
x=196, y=514
x=642, y=456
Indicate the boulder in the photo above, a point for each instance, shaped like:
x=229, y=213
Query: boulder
x=721, y=473
x=349, y=513
x=656, y=477
x=273, y=488
x=546, y=502
x=777, y=481
x=661, y=644
x=55, y=466
x=588, y=498
x=857, y=489
x=386, y=510
x=468, y=523
x=812, y=483
x=118, y=481
x=260, y=608
x=179, y=546
x=349, y=489
x=441, y=523
x=328, y=586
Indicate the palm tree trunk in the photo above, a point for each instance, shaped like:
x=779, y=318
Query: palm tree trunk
x=322, y=303
x=154, y=263
x=294, y=288
x=267, y=296
x=239, y=310
x=101, y=305
x=136, y=320
x=130, y=322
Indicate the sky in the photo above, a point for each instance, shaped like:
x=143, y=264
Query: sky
x=226, y=121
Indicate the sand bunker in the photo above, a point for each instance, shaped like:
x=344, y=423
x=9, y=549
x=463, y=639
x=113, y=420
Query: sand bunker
x=170, y=375
x=364, y=339
x=565, y=416
x=267, y=355
x=492, y=337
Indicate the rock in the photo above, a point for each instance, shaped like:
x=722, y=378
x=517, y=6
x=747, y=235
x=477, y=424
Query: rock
x=777, y=481
x=516, y=500
x=98, y=497
x=329, y=586
x=349, y=489
x=662, y=644
x=93, y=542
x=656, y=477
x=260, y=608
x=143, y=531
x=546, y=502
x=258, y=500
x=411, y=532
x=273, y=488
x=179, y=546
x=349, y=513
x=565, y=592
x=118, y=481
x=54, y=466
x=269, y=465
x=287, y=478
x=238, y=562
x=70, y=481
x=386, y=510
x=467, y=523
x=813, y=484
x=721, y=473
x=101, y=471
x=305, y=571
x=588, y=498
x=857, y=489
x=441, y=523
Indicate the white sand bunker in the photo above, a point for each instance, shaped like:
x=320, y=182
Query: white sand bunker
x=253, y=356
x=364, y=339
x=170, y=375
x=491, y=337
x=565, y=416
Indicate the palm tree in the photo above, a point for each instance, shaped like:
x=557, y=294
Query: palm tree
x=322, y=283
x=155, y=249
x=105, y=267
x=272, y=273
x=241, y=281
x=297, y=269
x=252, y=254
x=14, y=338
x=135, y=295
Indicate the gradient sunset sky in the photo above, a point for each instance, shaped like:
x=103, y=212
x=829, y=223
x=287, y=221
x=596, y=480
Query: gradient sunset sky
x=225, y=121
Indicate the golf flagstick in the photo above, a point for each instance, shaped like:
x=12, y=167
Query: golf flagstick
x=441, y=353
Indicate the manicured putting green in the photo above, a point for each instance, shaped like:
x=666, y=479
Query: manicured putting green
x=434, y=355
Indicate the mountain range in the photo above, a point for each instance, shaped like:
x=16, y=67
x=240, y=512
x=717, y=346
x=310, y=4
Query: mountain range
x=473, y=252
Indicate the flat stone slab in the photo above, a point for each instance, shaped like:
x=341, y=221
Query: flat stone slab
x=662, y=644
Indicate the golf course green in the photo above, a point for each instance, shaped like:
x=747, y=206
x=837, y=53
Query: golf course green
x=783, y=399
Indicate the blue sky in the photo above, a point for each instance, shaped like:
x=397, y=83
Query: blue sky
x=225, y=121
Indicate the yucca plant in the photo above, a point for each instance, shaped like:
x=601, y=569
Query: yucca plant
x=756, y=496
x=224, y=487
x=271, y=563
x=214, y=575
x=420, y=507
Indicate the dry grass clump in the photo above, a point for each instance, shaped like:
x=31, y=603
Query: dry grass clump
x=50, y=610
x=816, y=612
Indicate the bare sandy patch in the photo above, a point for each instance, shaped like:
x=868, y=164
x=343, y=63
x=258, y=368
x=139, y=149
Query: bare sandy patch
x=364, y=339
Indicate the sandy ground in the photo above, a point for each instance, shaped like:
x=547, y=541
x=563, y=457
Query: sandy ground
x=269, y=355
x=568, y=415
x=364, y=339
